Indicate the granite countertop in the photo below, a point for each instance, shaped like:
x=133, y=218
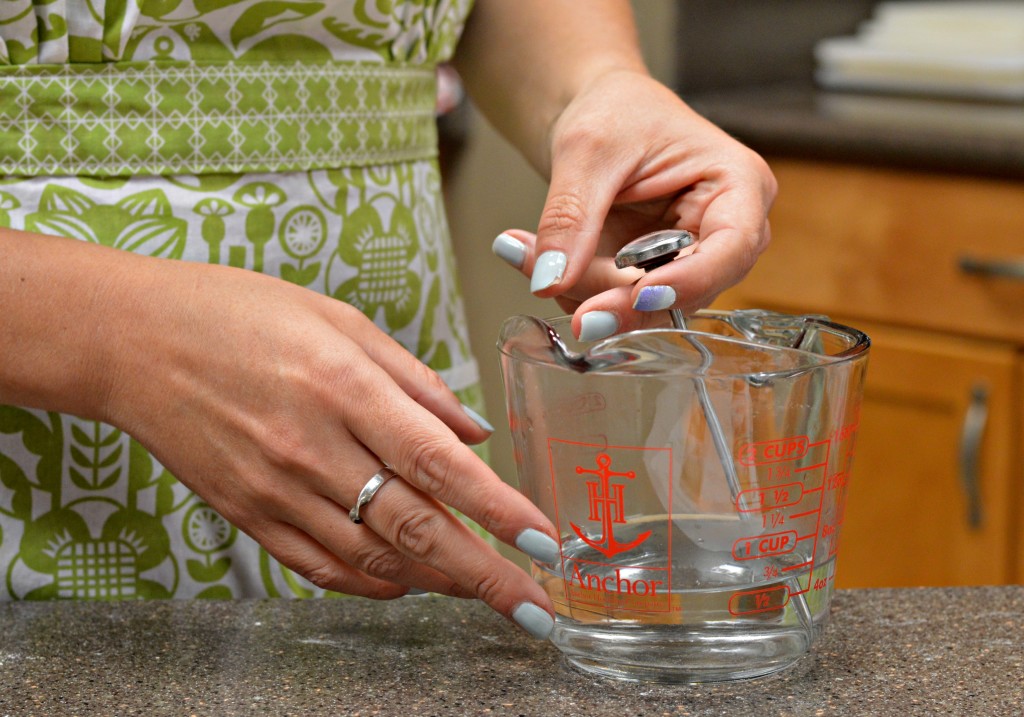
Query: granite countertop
x=969, y=137
x=904, y=652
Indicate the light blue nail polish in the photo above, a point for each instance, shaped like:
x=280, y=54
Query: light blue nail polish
x=548, y=270
x=655, y=298
x=596, y=325
x=510, y=250
x=478, y=419
x=534, y=620
x=538, y=546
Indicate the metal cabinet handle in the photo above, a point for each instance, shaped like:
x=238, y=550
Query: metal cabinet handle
x=1004, y=268
x=970, y=452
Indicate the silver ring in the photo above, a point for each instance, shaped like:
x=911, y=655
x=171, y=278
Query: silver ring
x=369, y=490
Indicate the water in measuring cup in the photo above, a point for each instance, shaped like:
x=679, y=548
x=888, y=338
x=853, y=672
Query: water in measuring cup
x=714, y=618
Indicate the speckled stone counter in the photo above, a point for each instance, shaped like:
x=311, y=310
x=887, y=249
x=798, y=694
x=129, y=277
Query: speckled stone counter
x=886, y=652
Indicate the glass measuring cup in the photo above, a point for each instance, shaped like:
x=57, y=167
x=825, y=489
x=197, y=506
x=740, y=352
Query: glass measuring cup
x=671, y=569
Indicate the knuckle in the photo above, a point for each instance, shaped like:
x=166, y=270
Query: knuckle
x=328, y=577
x=339, y=374
x=417, y=535
x=381, y=562
x=751, y=169
x=323, y=575
x=746, y=256
x=426, y=380
x=349, y=312
x=582, y=137
x=284, y=447
x=563, y=213
x=432, y=460
x=263, y=493
x=489, y=587
x=491, y=515
x=275, y=438
x=754, y=249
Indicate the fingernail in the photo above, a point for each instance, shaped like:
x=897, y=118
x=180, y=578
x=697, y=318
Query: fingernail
x=596, y=325
x=655, y=298
x=478, y=419
x=534, y=620
x=548, y=270
x=538, y=546
x=413, y=592
x=510, y=250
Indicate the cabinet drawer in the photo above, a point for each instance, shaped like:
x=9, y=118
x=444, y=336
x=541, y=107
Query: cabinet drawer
x=886, y=245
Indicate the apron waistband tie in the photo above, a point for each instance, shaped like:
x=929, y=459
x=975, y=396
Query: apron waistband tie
x=174, y=117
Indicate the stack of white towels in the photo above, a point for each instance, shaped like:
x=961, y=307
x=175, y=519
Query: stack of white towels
x=952, y=49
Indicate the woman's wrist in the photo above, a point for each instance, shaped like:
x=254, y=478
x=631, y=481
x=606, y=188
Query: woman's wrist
x=65, y=303
x=525, y=62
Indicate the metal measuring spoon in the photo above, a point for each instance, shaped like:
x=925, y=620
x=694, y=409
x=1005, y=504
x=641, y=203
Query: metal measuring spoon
x=653, y=250
x=578, y=362
x=648, y=253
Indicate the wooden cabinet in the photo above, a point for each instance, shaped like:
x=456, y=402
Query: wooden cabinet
x=930, y=500
x=919, y=262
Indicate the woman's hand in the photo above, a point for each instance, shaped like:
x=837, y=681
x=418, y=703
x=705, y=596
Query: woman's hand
x=625, y=157
x=628, y=157
x=276, y=405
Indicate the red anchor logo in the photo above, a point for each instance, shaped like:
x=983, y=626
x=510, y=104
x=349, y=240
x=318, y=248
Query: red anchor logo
x=607, y=505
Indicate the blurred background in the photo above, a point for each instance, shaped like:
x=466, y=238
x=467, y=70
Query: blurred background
x=896, y=131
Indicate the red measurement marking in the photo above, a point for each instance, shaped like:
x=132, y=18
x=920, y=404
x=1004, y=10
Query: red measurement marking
x=753, y=601
x=774, y=451
x=844, y=432
x=762, y=499
x=797, y=567
x=838, y=480
x=762, y=546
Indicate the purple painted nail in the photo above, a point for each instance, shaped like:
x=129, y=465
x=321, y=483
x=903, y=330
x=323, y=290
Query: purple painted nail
x=655, y=298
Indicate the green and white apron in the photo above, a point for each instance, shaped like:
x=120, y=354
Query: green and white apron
x=291, y=138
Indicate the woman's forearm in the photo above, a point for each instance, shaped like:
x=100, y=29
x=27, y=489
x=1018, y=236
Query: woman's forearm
x=56, y=326
x=523, y=61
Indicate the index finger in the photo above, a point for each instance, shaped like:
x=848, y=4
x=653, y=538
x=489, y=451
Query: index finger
x=582, y=190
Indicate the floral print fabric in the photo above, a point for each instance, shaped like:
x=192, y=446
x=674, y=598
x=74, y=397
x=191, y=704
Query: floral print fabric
x=85, y=511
